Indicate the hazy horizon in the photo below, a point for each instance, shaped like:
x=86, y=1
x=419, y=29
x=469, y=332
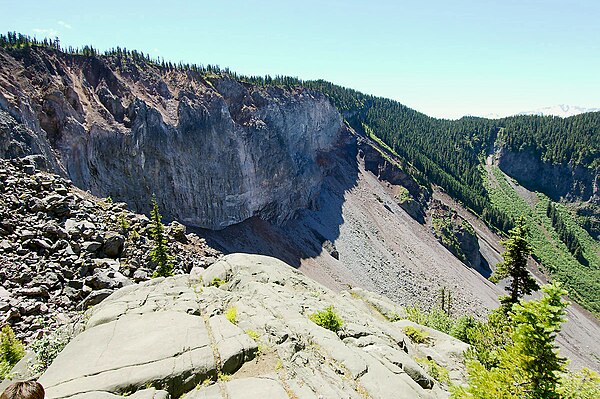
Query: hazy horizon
x=445, y=60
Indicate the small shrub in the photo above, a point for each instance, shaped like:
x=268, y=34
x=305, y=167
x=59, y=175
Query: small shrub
x=217, y=282
x=49, y=346
x=134, y=235
x=231, y=315
x=123, y=223
x=11, y=351
x=439, y=320
x=416, y=315
x=223, y=377
x=416, y=335
x=327, y=319
x=439, y=373
x=109, y=200
x=253, y=334
x=463, y=327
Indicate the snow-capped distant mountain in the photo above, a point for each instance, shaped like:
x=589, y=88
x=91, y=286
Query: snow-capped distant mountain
x=561, y=110
x=493, y=116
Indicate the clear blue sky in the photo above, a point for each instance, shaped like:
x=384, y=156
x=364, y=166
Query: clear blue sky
x=444, y=58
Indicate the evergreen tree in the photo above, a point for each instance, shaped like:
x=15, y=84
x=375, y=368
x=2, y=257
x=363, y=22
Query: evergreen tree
x=515, y=265
x=160, y=252
x=536, y=324
x=11, y=350
x=529, y=367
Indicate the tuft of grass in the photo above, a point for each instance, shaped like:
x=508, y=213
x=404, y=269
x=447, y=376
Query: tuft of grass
x=416, y=335
x=253, y=334
x=223, y=377
x=231, y=315
x=328, y=319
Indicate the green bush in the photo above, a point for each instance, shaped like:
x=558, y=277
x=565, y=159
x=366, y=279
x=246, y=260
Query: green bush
x=416, y=335
x=439, y=373
x=217, y=282
x=463, y=327
x=48, y=347
x=11, y=351
x=585, y=384
x=528, y=366
x=439, y=320
x=231, y=315
x=435, y=318
x=328, y=319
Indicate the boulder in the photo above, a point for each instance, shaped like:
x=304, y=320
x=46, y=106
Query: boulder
x=113, y=244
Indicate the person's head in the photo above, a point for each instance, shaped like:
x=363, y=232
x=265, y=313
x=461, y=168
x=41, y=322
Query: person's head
x=24, y=390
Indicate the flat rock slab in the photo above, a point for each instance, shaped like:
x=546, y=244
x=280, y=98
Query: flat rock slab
x=150, y=393
x=158, y=348
x=171, y=334
x=266, y=387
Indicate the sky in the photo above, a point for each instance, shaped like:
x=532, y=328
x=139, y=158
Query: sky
x=444, y=58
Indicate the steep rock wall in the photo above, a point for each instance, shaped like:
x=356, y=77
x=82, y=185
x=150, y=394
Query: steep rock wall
x=215, y=151
x=570, y=182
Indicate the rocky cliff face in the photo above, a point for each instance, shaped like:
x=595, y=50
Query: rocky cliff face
x=214, y=150
x=570, y=182
x=455, y=233
x=411, y=196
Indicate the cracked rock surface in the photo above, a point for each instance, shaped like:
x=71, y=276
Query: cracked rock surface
x=241, y=329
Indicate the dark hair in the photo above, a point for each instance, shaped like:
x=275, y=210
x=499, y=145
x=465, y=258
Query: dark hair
x=24, y=390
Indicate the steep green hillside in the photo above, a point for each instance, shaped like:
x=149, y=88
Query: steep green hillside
x=582, y=282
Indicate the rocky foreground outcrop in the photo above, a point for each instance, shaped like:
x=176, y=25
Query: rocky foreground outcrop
x=63, y=250
x=241, y=329
x=214, y=150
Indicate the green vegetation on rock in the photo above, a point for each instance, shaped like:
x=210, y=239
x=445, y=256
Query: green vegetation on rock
x=231, y=315
x=416, y=335
x=328, y=319
x=47, y=348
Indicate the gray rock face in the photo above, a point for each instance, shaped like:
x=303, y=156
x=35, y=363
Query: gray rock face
x=215, y=152
x=455, y=233
x=573, y=183
x=172, y=334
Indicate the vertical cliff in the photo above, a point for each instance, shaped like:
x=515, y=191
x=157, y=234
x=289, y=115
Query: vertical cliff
x=215, y=151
